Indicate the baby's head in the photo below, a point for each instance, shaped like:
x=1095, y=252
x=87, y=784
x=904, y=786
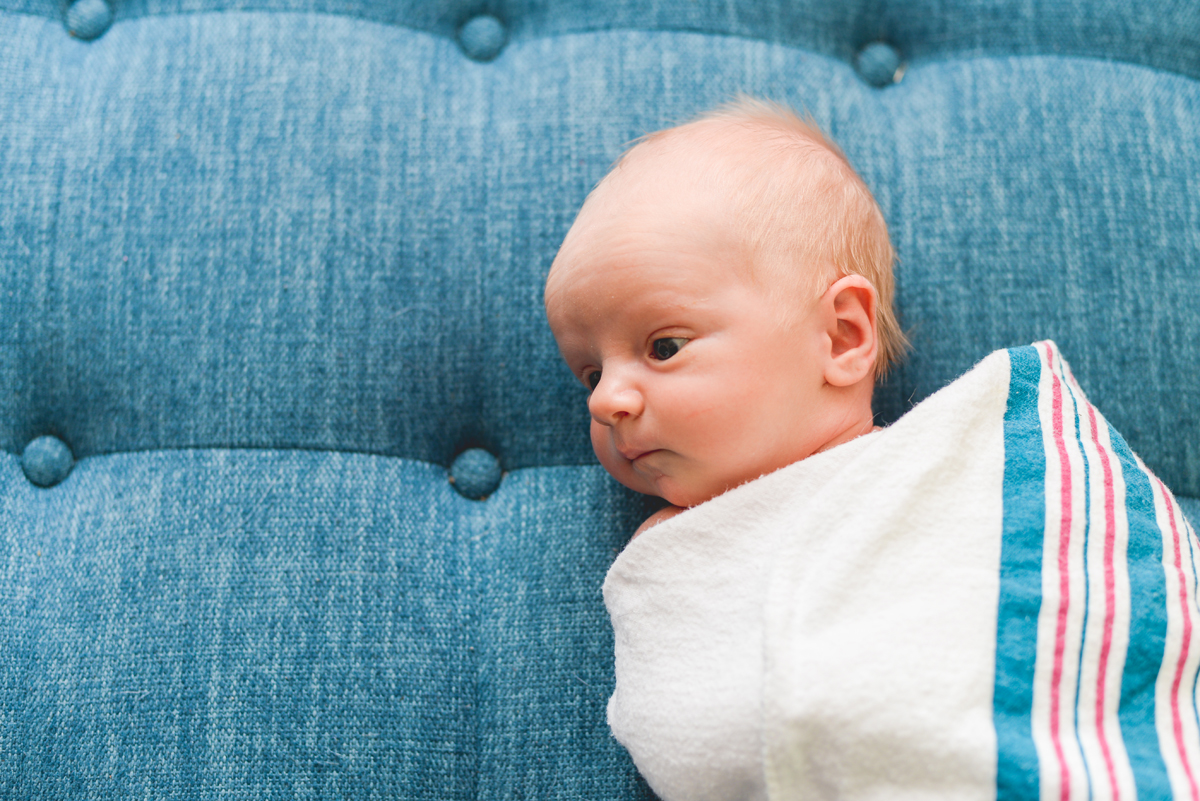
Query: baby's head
x=726, y=295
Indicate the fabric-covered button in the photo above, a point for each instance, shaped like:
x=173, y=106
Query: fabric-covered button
x=879, y=64
x=87, y=19
x=475, y=474
x=483, y=37
x=47, y=461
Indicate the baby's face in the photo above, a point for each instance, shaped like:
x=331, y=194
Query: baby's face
x=699, y=381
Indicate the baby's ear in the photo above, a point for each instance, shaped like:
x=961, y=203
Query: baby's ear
x=849, y=307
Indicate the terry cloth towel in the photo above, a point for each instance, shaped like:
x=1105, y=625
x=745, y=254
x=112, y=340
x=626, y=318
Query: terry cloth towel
x=991, y=598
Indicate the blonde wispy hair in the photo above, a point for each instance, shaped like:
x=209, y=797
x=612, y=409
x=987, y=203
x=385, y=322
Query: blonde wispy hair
x=798, y=203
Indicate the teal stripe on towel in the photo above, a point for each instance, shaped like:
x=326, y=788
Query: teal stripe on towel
x=1020, y=580
x=1147, y=629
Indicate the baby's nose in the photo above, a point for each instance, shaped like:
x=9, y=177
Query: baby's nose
x=614, y=398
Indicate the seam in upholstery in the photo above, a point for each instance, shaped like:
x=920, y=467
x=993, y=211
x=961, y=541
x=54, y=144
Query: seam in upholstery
x=295, y=449
x=940, y=58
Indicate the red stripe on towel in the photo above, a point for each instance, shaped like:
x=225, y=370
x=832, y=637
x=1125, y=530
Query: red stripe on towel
x=1110, y=602
x=1176, y=717
x=1064, y=541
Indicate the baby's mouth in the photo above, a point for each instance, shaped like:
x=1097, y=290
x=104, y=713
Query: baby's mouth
x=633, y=454
x=640, y=459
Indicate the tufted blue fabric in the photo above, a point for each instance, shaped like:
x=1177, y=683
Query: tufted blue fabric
x=87, y=19
x=47, y=461
x=475, y=473
x=268, y=266
x=483, y=37
x=878, y=64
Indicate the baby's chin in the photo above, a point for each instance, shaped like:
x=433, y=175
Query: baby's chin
x=679, y=493
x=694, y=490
x=679, y=490
x=685, y=499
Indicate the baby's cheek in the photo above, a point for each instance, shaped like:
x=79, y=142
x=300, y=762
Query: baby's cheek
x=605, y=451
x=614, y=463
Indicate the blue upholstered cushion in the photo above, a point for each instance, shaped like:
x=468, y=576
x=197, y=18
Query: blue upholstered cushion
x=333, y=227
x=268, y=268
x=280, y=624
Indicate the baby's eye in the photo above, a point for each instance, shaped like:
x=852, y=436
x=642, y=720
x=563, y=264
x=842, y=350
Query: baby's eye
x=665, y=348
x=592, y=379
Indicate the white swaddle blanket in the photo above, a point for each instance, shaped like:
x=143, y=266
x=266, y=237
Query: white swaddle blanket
x=830, y=630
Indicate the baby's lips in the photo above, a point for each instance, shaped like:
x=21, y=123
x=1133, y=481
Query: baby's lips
x=630, y=453
x=642, y=454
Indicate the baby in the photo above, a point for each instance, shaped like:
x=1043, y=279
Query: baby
x=726, y=295
x=990, y=598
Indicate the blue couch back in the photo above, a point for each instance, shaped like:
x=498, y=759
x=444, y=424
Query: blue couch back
x=271, y=271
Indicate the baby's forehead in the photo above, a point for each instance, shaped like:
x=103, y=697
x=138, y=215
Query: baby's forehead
x=722, y=146
x=717, y=171
x=751, y=170
x=673, y=159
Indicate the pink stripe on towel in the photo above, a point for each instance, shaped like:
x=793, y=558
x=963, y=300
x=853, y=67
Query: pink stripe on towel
x=1176, y=716
x=1110, y=603
x=1064, y=600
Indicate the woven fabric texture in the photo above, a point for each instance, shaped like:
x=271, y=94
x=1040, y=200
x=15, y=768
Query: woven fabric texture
x=267, y=268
